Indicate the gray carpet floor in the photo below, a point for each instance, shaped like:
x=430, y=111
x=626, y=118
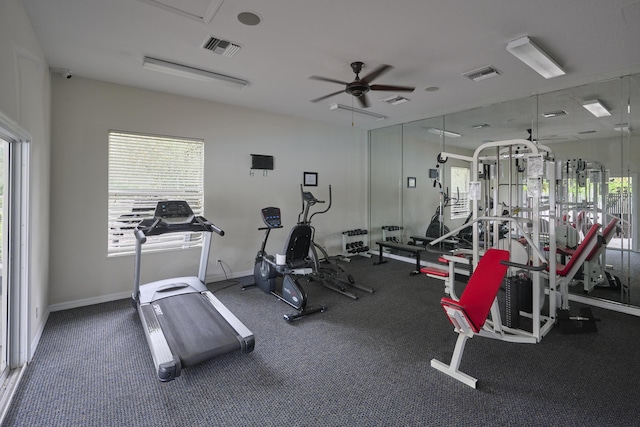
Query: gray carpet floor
x=361, y=363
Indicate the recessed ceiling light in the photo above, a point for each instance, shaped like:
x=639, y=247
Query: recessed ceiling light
x=432, y=89
x=249, y=18
x=480, y=126
x=596, y=108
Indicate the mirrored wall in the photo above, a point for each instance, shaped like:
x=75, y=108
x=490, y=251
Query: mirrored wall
x=409, y=187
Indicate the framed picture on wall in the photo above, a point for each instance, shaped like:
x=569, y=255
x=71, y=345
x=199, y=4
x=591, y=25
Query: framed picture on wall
x=310, y=179
x=411, y=182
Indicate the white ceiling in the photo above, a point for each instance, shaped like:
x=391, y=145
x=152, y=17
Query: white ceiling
x=429, y=43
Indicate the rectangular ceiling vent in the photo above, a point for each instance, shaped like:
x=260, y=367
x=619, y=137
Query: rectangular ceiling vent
x=221, y=47
x=482, y=73
x=395, y=100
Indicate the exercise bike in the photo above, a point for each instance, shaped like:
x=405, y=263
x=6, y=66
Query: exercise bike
x=296, y=262
x=325, y=270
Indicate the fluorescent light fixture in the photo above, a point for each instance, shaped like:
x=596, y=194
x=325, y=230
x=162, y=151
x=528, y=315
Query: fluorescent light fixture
x=357, y=111
x=558, y=113
x=480, y=126
x=191, y=73
x=441, y=132
x=526, y=51
x=596, y=108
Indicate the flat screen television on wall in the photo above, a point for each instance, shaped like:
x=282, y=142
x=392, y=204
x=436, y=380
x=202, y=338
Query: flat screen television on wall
x=259, y=161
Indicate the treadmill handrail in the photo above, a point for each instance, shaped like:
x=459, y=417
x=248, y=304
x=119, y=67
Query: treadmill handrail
x=157, y=226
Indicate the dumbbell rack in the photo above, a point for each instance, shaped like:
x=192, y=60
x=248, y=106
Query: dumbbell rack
x=392, y=233
x=355, y=242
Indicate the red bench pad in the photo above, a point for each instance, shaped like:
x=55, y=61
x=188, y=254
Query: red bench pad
x=434, y=271
x=477, y=298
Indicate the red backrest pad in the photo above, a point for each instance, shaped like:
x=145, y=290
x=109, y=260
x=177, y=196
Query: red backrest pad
x=478, y=296
x=607, y=234
x=580, y=249
x=608, y=231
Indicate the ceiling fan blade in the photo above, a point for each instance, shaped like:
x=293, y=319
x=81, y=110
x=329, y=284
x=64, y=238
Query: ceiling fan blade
x=326, y=79
x=327, y=96
x=364, y=101
x=392, y=88
x=376, y=73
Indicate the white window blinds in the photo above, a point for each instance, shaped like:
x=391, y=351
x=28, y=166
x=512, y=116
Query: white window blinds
x=144, y=169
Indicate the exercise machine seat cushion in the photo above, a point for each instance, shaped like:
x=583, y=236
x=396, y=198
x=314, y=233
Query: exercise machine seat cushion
x=477, y=298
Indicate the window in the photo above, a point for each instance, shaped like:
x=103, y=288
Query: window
x=144, y=169
x=459, y=192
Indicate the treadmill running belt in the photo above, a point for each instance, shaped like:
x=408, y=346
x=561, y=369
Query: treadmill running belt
x=194, y=329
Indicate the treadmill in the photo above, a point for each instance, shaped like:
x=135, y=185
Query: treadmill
x=183, y=322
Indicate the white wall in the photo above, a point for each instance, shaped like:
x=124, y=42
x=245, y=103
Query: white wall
x=25, y=99
x=83, y=111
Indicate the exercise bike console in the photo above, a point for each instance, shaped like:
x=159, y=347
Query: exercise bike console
x=271, y=217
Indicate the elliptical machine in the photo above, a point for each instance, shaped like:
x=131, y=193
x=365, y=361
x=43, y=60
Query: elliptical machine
x=325, y=270
x=267, y=269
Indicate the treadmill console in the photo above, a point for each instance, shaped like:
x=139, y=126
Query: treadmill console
x=174, y=211
x=174, y=216
x=271, y=217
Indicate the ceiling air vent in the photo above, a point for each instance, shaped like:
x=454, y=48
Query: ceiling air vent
x=482, y=73
x=395, y=100
x=221, y=47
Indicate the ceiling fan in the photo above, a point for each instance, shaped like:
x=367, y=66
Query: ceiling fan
x=360, y=86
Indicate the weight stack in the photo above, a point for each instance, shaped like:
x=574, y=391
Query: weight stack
x=512, y=302
x=518, y=298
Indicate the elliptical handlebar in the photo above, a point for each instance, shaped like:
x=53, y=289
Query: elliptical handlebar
x=308, y=200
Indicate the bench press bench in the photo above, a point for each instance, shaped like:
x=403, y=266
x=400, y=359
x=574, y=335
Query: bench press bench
x=416, y=250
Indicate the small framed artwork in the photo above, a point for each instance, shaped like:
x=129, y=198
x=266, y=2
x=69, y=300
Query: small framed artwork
x=411, y=182
x=310, y=179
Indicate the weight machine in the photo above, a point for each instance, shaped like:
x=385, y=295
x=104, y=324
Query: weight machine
x=513, y=174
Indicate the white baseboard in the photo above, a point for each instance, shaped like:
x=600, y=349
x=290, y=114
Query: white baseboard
x=89, y=301
x=36, y=339
x=127, y=294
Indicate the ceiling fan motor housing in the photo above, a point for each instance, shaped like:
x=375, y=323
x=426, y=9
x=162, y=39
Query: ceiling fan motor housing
x=357, y=88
